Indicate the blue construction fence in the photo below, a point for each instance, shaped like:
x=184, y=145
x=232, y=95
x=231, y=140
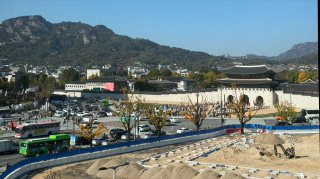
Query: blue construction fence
x=46, y=157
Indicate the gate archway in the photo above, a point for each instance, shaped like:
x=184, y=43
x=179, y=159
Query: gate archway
x=259, y=100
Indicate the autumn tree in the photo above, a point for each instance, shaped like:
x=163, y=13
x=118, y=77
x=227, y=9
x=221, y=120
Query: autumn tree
x=129, y=110
x=302, y=77
x=157, y=117
x=88, y=132
x=197, y=111
x=239, y=108
x=285, y=110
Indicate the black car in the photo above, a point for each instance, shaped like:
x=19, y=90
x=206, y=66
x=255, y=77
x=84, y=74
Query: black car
x=102, y=114
x=300, y=119
x=117, y=133
x=153, y=134
x=80, y=140
x=282, y=123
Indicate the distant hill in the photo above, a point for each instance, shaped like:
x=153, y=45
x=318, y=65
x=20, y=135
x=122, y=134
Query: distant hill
x=298, y=50
x=33, y=40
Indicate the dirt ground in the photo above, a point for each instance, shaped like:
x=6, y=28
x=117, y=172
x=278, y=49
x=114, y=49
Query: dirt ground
x=307, y=160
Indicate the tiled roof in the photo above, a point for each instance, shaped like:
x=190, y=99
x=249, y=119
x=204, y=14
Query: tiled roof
x=239, y=69
x=162, y=81
x=245, y=81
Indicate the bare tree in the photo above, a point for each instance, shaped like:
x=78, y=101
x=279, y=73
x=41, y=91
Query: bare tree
x=130, y=110
x=239, y=108
x=197, y=111
x=157, y=117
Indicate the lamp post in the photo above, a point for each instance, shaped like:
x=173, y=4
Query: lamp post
x=221, y=107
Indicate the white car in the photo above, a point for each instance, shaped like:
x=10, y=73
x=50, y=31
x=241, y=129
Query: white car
x=174, y=120
x=183, y=130
x=59, y=114
x=144, y=127
x=109, y=113
x=80, y=114
x=125, y=135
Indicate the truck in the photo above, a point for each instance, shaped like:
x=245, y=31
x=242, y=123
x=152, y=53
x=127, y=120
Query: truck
x=8, y=146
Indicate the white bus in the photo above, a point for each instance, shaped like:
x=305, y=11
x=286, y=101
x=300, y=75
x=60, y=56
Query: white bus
x=5, y=113
x=29, y=130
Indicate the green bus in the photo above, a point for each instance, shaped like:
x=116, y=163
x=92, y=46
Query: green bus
x=57, y=142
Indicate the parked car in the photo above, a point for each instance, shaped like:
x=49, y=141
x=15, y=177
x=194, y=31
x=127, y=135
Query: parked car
x=109, y=113
x=109, y=141
x=125, y=135
x=299, y=119
x=102, y=114
x=144, y=127
x=167, y=122
x=116, y=133
x=183, y=130
x=80, y=114
x=99, y=140
x=153, y=134
x=59, y=113
x=282, y=123
x=80, y=140
x=174, y=120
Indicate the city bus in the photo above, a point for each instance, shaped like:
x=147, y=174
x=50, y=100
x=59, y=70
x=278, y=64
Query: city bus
x=29, y=130
x=56, y=143
x=5, y=113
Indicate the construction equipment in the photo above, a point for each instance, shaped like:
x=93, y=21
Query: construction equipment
x=289, y=152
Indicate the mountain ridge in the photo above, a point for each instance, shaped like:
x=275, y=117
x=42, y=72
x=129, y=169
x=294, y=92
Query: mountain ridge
x=33, y=40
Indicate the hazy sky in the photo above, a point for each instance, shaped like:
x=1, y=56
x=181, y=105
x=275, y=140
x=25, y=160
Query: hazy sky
x=236, y=27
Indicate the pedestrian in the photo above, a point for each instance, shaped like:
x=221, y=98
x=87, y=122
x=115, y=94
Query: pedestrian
x=64, y=122
x=8, y=165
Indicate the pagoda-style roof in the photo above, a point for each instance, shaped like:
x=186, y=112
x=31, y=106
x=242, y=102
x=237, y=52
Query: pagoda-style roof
x=246, y=81
x=246, y=70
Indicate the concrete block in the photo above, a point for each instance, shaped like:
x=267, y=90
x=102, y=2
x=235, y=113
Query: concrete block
x=244, y=139
x=211, y=166
x=179, y=156
x=178, y=161
x=156, y=165
x=222, y=172
x=170, y=160
x=268, y=177
x=152, y=158
x=201, y=170
x=191, y=164
x=251, y=141
x=164, y=166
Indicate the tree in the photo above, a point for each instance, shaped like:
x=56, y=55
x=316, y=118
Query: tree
x=166, y=72
x=197, y=111
x=154, y=73
x=292, y=76
x=88, y=132
x=239, y=108
x=285, y=110
x=129, y=110
x=24, y=79
x=69, y=74
x=302, y=77
x=157, y=117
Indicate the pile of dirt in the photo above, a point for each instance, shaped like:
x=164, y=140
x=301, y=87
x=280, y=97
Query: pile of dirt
x=94, y=168
x=150, y=172
x=129, y=171
x=164, y=173
x=207, y=173
x=232, y=175
x=269, y=138
x=183, y=172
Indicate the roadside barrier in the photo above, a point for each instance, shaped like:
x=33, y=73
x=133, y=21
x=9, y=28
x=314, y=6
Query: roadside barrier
x=49, y=160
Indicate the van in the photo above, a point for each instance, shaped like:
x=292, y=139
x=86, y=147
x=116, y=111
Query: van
x=80, y=140
x=310, y=113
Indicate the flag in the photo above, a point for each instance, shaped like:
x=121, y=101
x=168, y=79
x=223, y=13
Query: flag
x=0, y=91
x=6, y=93
x=27, y=90
x=22, y=90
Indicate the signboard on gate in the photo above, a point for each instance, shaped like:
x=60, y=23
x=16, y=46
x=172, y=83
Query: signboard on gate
x=73, y=140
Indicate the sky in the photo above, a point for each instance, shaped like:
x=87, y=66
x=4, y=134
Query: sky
x=217, y=27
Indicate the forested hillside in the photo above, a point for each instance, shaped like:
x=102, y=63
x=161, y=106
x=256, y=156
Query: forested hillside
x=33, y=40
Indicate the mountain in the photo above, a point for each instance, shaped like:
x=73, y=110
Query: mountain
x=298, y=50
x=33, y=40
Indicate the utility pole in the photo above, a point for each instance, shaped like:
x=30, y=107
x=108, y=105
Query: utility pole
x=221, y=107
